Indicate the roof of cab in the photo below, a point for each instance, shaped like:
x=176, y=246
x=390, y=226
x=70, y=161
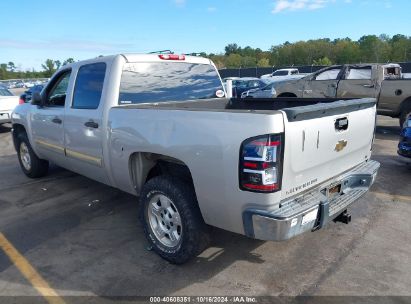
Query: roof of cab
x=139, y=58
x=156, y=57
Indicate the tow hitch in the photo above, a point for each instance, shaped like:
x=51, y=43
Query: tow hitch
x=344, y=217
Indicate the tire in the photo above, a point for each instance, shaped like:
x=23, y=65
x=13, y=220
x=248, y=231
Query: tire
x=405, y=114
x=30, y=163
x=175, y=229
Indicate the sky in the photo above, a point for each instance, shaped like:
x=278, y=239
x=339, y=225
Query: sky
x=32, y=31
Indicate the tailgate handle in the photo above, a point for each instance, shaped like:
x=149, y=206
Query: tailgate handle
x=341, y=124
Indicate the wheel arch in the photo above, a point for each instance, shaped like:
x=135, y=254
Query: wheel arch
x=405, y=103
x=287, y=94
x=16, y=131
x=144, y=165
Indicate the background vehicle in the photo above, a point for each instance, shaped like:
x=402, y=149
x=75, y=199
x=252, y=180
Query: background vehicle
x=244, y=84
x=283, y=73
x=26, y=96
x=404, y=147
x=384, y=82
x=19, y=85
x=7, y=104
x=267, y=91
x=152, y=125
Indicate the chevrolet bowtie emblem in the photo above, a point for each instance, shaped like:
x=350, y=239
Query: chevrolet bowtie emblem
x=341, y=145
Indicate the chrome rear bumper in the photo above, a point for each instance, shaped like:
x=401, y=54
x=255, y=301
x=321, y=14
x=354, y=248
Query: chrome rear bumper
x=310, y=211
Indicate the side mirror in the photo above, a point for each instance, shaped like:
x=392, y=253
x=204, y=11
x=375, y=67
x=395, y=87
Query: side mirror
x=36, y=99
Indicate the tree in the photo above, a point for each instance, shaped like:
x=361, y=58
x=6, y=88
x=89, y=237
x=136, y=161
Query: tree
x=11, y=66
x=401, y=48
x=68, y=61
x=49, y=67
x=373, y=49
x=263, y=62
x=58, y=64
x=322, y=61
x=232, y=49
x=248, y=62
x=233, y=61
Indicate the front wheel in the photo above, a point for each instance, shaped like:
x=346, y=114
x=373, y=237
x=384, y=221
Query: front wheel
x=30, y=163
x=172, y=221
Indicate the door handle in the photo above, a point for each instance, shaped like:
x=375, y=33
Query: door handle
x=57, y=120
x=369, y=86
x=91, y=124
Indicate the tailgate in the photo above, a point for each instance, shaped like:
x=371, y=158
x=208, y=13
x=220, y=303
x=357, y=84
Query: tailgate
x=324, y=140
x=8, y=103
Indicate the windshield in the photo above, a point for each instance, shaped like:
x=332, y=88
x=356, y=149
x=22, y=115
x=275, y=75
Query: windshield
x=5, y=92
x=280, y=73
x=267, y=87
x=147, y=82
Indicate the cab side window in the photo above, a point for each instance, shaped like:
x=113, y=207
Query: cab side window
x=359, y=73
x=89, y=86
x=56, y=96
x=331, y=74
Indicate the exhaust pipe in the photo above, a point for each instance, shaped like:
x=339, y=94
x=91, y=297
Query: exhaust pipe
x=344, y=217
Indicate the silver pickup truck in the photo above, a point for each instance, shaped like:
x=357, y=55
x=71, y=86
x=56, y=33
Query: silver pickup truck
x=159, y=127
x=382, y=81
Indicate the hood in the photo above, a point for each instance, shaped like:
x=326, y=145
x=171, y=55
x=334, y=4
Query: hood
x=287, y=81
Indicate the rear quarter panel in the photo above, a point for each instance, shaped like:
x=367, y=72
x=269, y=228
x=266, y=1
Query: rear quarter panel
x=393, y=93
x=207, y=142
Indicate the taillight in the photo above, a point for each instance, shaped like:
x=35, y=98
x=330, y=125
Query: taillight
x=172, y=57
x=260, y=163
x=21, y=101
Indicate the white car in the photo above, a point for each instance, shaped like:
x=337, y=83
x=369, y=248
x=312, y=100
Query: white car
x=281, y=73
x=7, y=104
x=28, y=84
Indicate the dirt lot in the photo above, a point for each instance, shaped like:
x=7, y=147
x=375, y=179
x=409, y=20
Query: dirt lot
x=83, y=238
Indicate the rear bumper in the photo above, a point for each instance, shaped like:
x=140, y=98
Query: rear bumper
x=310, y=211
x=5, y=116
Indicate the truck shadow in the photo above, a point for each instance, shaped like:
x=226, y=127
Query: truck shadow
x=75, y=230
x=387, y=132
x=5, y=128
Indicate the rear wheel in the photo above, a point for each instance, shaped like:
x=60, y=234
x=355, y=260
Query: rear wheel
x=172, y=221
x=30, y=163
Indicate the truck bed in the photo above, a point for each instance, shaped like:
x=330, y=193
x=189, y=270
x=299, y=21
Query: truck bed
x=295, y=108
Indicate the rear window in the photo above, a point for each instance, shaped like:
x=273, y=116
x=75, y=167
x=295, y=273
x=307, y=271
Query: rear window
x=5, y=92
x=147, y=82
x=280, y=73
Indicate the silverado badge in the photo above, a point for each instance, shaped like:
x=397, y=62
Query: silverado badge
x=341, y=145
